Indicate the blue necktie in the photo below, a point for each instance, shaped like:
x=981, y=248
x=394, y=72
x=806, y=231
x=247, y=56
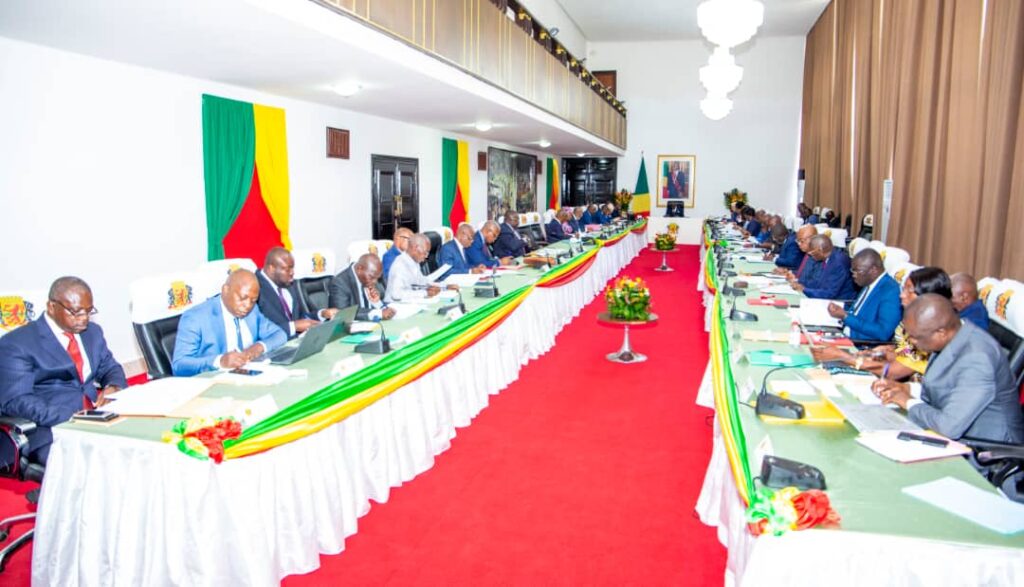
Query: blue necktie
x=238, y=332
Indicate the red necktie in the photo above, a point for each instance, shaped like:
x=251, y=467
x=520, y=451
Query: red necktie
x=76, y=358
x=801, y=269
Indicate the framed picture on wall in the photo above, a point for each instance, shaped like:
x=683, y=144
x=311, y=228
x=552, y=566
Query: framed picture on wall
x=676, y=180
x=511, y=182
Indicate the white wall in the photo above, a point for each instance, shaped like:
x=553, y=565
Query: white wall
x=551, y=14
x=101, y=174
x=755, y=148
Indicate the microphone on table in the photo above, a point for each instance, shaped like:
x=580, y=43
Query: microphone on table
x=769, y=404
x=739, y=315
x=492, y=291
x=375, y=347
x=449, y=307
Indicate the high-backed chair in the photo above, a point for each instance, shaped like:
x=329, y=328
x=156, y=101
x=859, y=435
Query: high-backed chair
x=895, y=257
x=15, y=464
x=314, y=269
x=837, y=235
x=848, y=223
x=1004, y=300
x=901, y=271
x=867, y=226
x=19, y=307
x=213, y=273
x=436, y=241
x=446, y=233
x=156, y=304
x=856, y=245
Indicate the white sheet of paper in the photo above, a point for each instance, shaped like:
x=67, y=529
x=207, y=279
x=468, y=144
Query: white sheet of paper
x=814, y=312
x=863, y=393
x=463, y=279
x=440, y=271
x=158, y=397
x=959, y=498
x=270, y=375
x=793, y=387
x=781, y=290
x=256, y=410
x=357, y=327
x=403, y=310
x=887, y=444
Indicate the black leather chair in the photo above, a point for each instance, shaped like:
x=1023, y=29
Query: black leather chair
x=867, y=227
x=538, y=235
x=156, y=339
x=1013, y=344
x=317, y=291
x=15, y=464
x=435, y=249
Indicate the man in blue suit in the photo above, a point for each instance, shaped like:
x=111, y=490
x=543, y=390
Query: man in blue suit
x=590, y=215
x=453, y=252
x=401, y=241
x=831, y=278
x=479, y=253
x=604, y=215
x=554, y=229
x=57, y=365
x=575, y=214
x=877, y=311
x=509, y=242
x=790, y=256
x=226, y=331
x=965, y=300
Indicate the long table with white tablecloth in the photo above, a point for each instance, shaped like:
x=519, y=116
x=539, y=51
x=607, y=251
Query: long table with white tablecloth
x=120, y=507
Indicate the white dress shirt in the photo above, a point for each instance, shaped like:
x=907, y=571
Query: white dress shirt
x=62, y=340
x=405, y=273
x=231, y=335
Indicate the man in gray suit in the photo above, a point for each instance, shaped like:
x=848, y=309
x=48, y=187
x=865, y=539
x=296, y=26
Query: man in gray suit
x=967, y=389
x=359, y=285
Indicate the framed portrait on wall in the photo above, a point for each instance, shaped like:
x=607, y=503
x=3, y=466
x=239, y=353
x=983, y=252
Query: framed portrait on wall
x=676, y=180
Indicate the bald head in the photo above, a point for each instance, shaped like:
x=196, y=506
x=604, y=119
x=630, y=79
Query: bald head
x=490, y=231
x=279, y=267
x=820, y=247
x=368, y=269
x=866, y=267
x=804, y=234
x=931, y=322
x=419, y=247
x=401, y=238
x=465, y=234
x=240, y=292
x=965, y=290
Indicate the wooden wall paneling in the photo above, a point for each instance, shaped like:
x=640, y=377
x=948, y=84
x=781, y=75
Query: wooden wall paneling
x=489, y=42
x=397, y=16
x=518, y=48
x=450, y=38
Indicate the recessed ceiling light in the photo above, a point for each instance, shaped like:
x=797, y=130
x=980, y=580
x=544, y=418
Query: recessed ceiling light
x=544, y=143
x=581, y=154
x=347, y=88
x=483, y=126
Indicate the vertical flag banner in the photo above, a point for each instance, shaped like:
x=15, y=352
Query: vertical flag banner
x=641, y=204
x=554, y=183
x=245, y=171
x=454, y=182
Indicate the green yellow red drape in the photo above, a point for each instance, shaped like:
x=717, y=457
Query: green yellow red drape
x=454, y=182
x=245, y=170
x=343, y=398
x=554, y=185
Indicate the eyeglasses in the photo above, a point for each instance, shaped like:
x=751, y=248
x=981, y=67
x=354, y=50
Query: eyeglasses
x=80, y=313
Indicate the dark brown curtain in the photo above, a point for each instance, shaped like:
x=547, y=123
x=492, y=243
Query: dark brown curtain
x=929, y=94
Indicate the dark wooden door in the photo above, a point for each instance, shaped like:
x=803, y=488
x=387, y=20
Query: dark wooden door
x=589, y=180
x=396, y=195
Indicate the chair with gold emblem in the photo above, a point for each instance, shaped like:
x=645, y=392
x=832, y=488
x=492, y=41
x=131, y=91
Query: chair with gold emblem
x=156, y=304
x=314, y=269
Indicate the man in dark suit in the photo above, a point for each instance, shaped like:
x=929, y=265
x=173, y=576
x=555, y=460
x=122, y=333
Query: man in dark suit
x=877, y=310
x=57, y=365
x=359, y=285
x=752, y=226
x=831, y=277
x=509, y=242
x=968, y=389
x=453, y=252
x=604, y=214
x=965, y=300
x=789, y=255
x=226, y=331
x=590, y=216
x=554, y=230
x=574, y=219
x=282, y=300
x=479, y=253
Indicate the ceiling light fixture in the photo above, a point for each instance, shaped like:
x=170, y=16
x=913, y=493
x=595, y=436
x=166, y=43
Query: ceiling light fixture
x=581, y=154
x=728, y=23
x=721, y=75
x=544, y=143
x=347, y=89
x=483, y=126
x=716, y=106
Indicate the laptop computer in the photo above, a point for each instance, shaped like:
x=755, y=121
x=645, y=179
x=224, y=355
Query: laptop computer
x=311, y=343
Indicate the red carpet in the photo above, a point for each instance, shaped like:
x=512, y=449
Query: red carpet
x=582, y=472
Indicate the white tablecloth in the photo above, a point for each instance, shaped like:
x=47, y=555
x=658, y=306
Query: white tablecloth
x=129, y=512
x=691, y=230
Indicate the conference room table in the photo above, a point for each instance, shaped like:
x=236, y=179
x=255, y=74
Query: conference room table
x=119, y=506
x=886, y=537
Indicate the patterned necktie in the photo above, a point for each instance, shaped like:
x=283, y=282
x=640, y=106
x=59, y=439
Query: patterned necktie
x=803, y=263
x=284, y=304
x=76, y=358
x=238, y=333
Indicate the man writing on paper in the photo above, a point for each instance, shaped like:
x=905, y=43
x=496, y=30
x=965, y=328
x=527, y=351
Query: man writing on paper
x=831, y=279
x=509, y=242
x=877, y=311
x=281, y=300
x=57, y=365
x=359, y=285
x=804, y=234
x=967, y=389
x=226, y=331
x=479, y=253
x=401, y=238
x=789, y=256
x=453, y=252
x=407, y=281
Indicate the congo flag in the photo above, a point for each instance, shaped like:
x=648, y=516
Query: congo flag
x=554, y=185
x=642, y=195
x=454, y=182
x=245, y=166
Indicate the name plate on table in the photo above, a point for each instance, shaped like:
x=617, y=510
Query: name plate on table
x=347, y=366
x=410, y=336
x=454, y=314
x=772, y=359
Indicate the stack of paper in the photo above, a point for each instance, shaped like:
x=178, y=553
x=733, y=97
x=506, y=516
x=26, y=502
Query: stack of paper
x=780, y=290
x=814, y=312
x=462, y=279
x=159, y=397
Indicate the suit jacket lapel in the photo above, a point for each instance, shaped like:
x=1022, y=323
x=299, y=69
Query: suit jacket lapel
x=52, y=346
x=218, y=324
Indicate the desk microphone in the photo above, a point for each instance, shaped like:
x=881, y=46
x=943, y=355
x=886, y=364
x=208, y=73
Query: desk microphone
x=492, y=291
x=739, y=315
x=449, y=307
x=769, y=404
x=375, y=347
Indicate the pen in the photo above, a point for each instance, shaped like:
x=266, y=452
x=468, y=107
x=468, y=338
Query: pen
x=922, y=438
x=885, y=371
